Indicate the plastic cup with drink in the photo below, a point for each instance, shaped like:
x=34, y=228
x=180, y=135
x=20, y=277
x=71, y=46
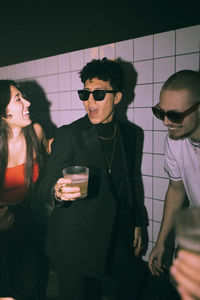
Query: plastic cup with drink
x=79, y=177
x=187, y=229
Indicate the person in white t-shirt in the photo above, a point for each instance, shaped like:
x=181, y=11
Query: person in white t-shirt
x=179, y=109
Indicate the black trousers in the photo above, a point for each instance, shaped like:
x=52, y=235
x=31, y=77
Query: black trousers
x=18, y=255
x=124, y=282
x=160, y=288
x=126, y=276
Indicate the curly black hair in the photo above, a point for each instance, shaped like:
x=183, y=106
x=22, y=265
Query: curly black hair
x=106, y=70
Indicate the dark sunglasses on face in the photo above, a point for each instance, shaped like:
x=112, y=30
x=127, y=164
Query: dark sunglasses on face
x=173, y=116
x=98, y=95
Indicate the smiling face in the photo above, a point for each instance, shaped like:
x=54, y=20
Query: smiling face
x=179, y=101
x=17, y=110
x=100, y=111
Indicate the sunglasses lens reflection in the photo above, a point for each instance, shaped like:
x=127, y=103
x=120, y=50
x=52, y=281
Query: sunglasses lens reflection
x=175, y=117
x=158, y=113
x=83, y=95
x=172, y=116
x=99, y=95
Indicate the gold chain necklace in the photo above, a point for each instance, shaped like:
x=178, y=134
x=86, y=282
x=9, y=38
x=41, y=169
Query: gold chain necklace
x=109, y=138
x=112, y=156
x=195, y=145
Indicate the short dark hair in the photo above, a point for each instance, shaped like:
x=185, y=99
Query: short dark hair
x=106, y=70
x=184, y=80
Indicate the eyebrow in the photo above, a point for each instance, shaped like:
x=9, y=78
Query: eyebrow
x=18, y=94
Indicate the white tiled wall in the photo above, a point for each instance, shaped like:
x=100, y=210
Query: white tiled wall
x=155, y=58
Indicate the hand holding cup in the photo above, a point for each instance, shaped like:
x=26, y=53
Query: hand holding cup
x=65, y=192
x=73, y=185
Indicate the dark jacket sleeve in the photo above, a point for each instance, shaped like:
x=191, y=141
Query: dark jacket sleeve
x=137, y=183
x=62, y=149
x=133, y=142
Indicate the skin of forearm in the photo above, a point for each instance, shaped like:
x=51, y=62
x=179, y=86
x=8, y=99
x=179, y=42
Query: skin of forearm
x=174, y=201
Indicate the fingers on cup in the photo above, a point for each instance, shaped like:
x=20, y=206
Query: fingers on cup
x=58, y=191
x=70, y=190
x=71, y=193
x=67, y=193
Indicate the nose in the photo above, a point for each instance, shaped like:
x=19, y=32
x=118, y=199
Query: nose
x=166, y=121
x=26, y=103
x=91, y=98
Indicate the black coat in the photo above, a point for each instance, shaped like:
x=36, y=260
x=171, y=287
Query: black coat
x=79, y=232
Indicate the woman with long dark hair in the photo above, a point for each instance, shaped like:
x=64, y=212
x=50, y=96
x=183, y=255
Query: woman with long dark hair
x=21, y=156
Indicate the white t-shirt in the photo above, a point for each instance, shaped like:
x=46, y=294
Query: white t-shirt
x=182, y=162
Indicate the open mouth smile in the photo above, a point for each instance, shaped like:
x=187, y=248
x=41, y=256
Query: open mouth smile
x=93, y=111
x=26, y=114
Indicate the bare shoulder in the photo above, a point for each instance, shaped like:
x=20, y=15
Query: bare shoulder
x=42, y=137
x=38, y=130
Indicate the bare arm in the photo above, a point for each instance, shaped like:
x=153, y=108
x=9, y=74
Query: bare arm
x=41, y=135
x=174, y=201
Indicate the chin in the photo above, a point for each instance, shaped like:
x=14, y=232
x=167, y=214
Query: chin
x=179, y=137
x=27, y=123
x=173, y=137
x=94, y=121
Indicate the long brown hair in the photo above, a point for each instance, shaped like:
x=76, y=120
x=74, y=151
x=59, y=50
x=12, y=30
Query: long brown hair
x=33, y=145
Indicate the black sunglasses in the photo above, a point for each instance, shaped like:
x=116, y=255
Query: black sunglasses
x=98, y=95
x=173, y=116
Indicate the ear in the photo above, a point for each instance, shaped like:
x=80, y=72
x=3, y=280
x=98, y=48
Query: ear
x=7, y=117
x=118, y=97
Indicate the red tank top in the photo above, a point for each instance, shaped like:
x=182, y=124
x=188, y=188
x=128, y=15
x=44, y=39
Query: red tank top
x=14, y=189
